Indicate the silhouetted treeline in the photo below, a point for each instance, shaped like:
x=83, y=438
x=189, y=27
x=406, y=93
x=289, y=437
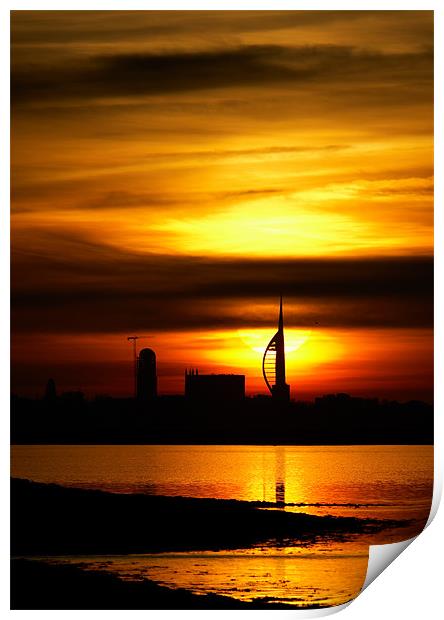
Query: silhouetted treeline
x=331, y=419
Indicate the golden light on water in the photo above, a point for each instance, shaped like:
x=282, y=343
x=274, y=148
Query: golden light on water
x=335, y=480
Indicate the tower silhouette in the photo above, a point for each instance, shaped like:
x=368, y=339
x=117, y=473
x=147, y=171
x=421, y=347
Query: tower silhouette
x=146, y=375
x=273, y=363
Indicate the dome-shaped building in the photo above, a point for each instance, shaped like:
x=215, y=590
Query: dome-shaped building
x=146, y=375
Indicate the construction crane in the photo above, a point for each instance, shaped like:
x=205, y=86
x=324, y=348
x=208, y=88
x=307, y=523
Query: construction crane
x=134, y=340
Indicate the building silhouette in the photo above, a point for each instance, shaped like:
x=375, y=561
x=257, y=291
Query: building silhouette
x=50, y=391
x=146, y=375
x=214, y=388
x=273, y=363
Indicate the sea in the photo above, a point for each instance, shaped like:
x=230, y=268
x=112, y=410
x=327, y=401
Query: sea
x=375, y=482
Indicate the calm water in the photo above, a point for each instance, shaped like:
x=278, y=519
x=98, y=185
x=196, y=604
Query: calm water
x=300, y=580
x=363, y=481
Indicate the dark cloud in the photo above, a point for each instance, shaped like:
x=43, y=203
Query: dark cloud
x=114, y=312
x=89, y=287
x=65, y=27
x=254, y=65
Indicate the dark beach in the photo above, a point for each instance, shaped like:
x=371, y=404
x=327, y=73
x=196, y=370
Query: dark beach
x=50, y=520
x=39, y=585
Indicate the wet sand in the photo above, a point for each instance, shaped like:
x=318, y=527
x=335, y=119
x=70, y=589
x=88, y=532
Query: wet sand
x=48, y=520
x=38, y=585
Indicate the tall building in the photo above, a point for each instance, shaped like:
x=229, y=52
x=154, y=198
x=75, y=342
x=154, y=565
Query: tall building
x=214, y=388
x=273, y=363
x=146, y=375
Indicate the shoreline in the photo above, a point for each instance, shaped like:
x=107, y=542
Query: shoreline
x=48, y=520
x=67, y=520
x=39, y=585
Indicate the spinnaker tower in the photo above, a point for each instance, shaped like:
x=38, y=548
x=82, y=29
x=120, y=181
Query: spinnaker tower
x=273, y=363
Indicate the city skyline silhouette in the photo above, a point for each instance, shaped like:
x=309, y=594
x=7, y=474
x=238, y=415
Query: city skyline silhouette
x=231, y=170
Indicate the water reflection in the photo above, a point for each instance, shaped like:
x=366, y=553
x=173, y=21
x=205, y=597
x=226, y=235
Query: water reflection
x=300, y=580
x=280, y=475
x=384, y=482
x=363, y=481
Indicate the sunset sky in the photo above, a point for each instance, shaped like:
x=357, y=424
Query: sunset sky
x=174, y=172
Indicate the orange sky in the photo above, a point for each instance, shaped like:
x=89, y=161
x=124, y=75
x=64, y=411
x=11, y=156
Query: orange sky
x=174, y=172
